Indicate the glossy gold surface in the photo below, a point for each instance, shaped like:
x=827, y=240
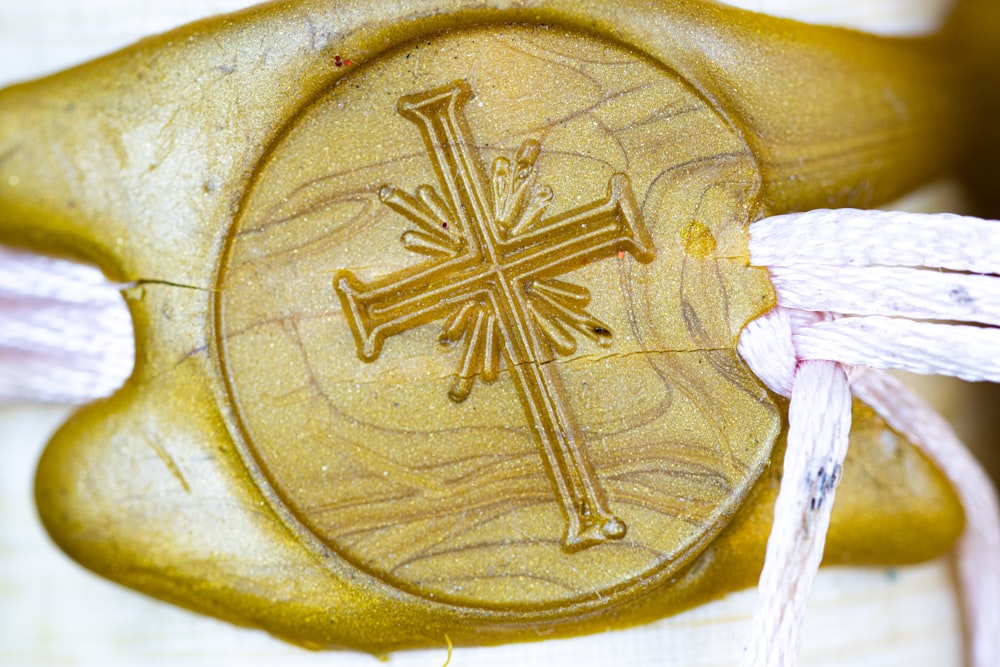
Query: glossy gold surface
x=524, y=247
x=436, y=307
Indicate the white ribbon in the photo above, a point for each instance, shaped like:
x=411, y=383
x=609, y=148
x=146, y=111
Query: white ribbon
x=885, y=267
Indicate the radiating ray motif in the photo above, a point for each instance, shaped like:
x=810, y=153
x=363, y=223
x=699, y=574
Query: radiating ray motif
x=436, y=223
x=556, y=307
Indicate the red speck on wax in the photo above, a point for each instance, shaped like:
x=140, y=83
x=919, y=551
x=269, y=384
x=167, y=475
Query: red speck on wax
x=444, y=225
x=621, y=254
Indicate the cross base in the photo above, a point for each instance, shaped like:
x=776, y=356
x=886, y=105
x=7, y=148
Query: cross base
x=580, y=536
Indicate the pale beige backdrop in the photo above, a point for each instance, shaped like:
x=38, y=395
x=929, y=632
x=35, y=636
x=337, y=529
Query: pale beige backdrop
x=52, y=612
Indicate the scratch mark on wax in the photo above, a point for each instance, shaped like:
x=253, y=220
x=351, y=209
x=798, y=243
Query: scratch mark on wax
x=169, y=462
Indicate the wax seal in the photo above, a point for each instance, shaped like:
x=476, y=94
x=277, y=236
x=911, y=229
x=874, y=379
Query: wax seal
x=436, y=308
x=460, y=286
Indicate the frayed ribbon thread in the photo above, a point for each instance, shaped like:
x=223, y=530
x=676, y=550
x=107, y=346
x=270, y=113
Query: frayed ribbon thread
x=847, y=282
x=65, y=334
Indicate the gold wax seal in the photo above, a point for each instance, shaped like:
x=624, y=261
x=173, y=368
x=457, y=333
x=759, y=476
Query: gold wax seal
x=436, y=307
x=483, y=381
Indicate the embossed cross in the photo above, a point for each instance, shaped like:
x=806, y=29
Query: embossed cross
x=493, y=279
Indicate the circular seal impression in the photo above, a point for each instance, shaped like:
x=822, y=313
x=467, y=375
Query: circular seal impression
x=478, y=316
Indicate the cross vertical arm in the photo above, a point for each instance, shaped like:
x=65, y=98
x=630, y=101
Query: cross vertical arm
x=438, y=115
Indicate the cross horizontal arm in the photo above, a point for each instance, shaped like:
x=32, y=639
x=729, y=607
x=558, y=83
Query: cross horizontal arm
x=381, y=309
x=590, y=232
